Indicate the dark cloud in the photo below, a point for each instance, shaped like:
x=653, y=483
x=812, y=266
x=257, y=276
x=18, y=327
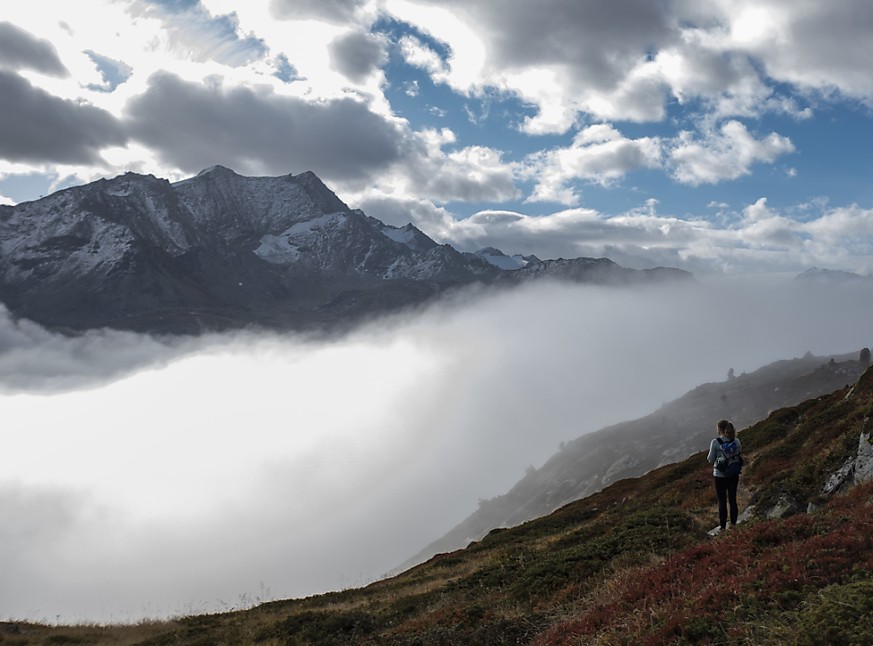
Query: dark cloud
x=598, y=41
x=820, y=45
x=21, y=50
x=38, y=127
x=357, y=55
x=339, y=11
x=193, y=126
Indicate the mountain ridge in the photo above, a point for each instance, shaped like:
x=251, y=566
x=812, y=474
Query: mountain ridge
x=220, y=250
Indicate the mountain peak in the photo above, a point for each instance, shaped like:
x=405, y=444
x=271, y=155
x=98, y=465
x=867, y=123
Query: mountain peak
x=319, y=192
x=222, y=250
x=216, y=169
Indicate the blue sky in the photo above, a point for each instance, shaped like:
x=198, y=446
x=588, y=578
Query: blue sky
x=721, y=137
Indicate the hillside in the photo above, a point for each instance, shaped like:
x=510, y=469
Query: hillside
x=631, y=564
x=674, y=431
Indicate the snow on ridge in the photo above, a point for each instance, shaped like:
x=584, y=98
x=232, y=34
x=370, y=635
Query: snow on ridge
x=307, y=227
x=281, y=248
x=403, y=236
x=277, y=249
x=504, y=262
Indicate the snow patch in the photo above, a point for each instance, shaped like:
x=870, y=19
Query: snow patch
x=403, y=236
x=277, y=249
x=507, y=263
x=285, y=247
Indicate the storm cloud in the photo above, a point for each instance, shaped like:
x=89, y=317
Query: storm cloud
x=194, y=125
x=19, y=49
x=39, y=127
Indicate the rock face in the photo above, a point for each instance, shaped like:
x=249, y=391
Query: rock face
x=220, y=250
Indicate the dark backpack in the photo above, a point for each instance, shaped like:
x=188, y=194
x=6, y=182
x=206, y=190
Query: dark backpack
x=732, y=462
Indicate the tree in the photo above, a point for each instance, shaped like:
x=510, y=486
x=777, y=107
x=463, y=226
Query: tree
x=864, y=358
x=731, y=373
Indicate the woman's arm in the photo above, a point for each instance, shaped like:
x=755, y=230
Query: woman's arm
x=713, y=452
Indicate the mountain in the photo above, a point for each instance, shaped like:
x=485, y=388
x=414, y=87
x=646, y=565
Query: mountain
x=632, y=564
x=832, y=277
x=677, y=429
x=220, y=250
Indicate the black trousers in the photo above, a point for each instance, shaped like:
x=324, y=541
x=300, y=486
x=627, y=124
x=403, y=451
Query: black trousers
x=726, y=492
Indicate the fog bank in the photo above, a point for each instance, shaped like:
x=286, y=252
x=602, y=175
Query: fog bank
x=144, y=478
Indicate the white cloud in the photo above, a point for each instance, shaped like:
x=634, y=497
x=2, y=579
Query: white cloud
x=757, y=239
x=726, y=154
x=599, y=154
x=417, y=54
x=427, y=170
x=805, y=42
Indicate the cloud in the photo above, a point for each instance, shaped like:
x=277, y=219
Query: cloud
x=623, y=61
x=753, y=240
x=473, y=174
x=21, y=50
x=35, y=360
x=191, y=30
x=427, y=170
x=399, y=212
x=599, y=154
x=804, y=43
x=255, y=131
x=417, y=54
x=276, y=466
x=39, y=127
x=358, y=55
x=341, y=11
x=565, y=57
x=726, y=154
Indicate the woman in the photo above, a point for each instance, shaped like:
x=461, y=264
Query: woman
x=724, y=456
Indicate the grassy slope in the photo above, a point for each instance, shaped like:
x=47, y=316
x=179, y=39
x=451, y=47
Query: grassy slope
x=632, y=564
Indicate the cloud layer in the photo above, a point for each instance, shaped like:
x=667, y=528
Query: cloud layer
x=154, y=479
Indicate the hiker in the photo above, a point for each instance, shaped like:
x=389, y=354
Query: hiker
x=724, y=456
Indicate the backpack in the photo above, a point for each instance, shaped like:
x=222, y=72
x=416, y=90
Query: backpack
x=732, y=462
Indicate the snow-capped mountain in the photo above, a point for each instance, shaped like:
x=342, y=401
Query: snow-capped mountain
x=502, y=261
x=222, y=250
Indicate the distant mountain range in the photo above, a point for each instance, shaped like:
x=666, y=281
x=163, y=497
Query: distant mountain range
x=833, y=277
x=220, y=251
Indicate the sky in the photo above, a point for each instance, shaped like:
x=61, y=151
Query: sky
x=719, y=136
x=143, y=478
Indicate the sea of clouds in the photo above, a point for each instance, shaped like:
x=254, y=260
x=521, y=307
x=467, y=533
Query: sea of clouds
x=146, y=477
